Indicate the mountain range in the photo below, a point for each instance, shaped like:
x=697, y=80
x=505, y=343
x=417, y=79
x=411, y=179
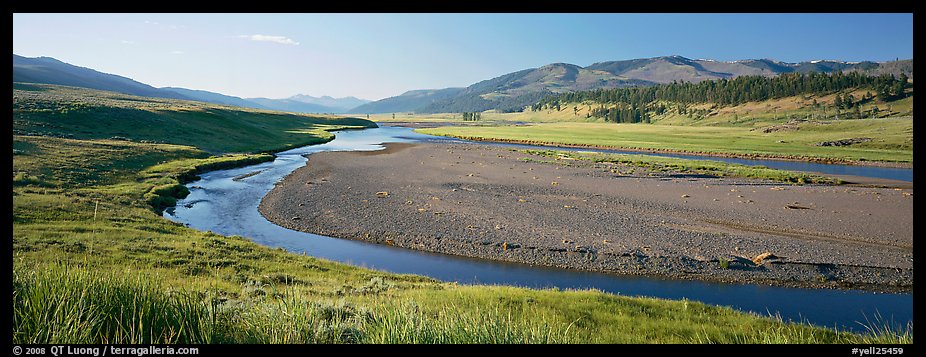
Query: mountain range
x=52, y=71
x=342, y=104
x=513, y=91
x=302, y=103
x=508, y=92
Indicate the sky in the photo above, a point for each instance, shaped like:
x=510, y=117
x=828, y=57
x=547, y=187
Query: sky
x=373, y=56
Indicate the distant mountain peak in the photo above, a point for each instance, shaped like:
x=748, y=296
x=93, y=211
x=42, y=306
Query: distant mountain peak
x=672, y=57
x=337, y=105
x=49, y=59
x=676, y=59
x=515, y=90
x=560, y=64
x=832, y=61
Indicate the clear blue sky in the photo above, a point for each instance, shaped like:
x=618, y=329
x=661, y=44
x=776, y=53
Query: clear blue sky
x=373, y=56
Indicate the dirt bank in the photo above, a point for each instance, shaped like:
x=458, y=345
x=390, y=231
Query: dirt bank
x=494, y=203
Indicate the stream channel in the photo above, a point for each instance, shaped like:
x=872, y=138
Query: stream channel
x=223, y=205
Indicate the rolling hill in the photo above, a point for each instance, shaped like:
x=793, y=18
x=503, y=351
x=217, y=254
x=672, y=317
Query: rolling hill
x=299, y=103
x=302, y=103
x=48, y=70
x=511, y=92
x=216, y=98
x=408, y=101
x=289, y=105
x=88, y=114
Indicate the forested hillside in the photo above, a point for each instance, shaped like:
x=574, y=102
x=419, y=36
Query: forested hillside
x=640, y=104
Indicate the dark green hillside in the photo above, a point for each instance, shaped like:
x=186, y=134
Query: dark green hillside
x=78, y=113
x=640, y=104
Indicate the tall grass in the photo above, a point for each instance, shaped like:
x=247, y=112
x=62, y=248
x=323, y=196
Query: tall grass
x=68, y=304
x=291, y=319
x=881, y=331
x=61, y=304
x=408, y=323
x=878, y=333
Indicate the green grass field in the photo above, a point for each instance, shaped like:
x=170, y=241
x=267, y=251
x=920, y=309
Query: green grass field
x=94, y=263
x=892, y=138
x=706, y=128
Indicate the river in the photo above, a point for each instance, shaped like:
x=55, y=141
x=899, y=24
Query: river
x=221, y=204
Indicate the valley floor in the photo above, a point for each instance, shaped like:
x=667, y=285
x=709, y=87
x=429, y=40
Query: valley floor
x=495, y=203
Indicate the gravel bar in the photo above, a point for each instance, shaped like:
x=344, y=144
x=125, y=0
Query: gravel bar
x=496, y=203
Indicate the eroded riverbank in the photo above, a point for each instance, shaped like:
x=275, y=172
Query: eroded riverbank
x=494, y=203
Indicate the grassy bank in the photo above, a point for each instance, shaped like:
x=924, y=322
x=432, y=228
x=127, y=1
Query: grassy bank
x=94, y=262
x=892, y=138
x=703, y=167
x=59, y=303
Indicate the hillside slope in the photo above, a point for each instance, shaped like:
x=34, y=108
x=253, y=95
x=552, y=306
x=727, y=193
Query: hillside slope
x=78, y=113
x=48, y=70
x=513, y=91
x=217, y=98
x=338, y=105
x=408, y=101
x=297, y=104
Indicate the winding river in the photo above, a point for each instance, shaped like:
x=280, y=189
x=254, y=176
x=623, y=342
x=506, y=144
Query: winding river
x=220, y=203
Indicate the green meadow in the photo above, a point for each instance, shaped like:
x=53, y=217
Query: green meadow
x=790, y=128
x=892, y=138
